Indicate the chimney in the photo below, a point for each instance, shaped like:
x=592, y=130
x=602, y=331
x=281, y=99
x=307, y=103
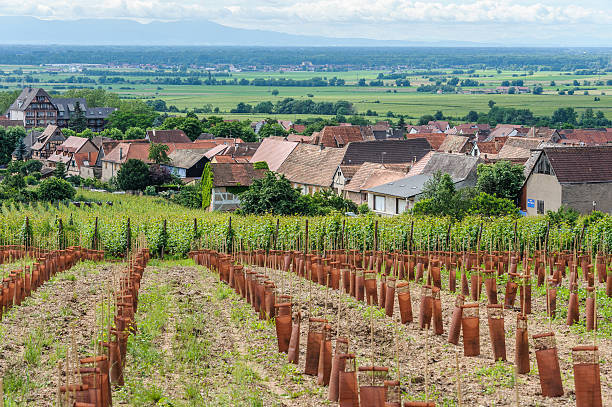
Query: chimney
x=89, y=157
x=120, y=153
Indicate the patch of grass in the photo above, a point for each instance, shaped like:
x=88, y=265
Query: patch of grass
x=36, y=341
x=223, y=291
x=16, y=386
x=494, y=376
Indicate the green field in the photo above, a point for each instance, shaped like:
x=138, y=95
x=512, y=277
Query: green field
x=380, y=99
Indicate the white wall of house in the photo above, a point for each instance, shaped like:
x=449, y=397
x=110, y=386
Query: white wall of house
x=222, y=200
x=544, y=188
x=109, y=170
x=388, y=205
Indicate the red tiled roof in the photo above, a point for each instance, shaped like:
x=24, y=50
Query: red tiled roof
x=81, y=158
x=167, y=136
x=581, y=164
x=435, y=140
x=338, y=136
x=125, y=151
x=589, y=137
x=235, y=174
x=492, y=147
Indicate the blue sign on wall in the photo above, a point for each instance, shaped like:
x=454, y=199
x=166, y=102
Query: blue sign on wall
x=531, y=203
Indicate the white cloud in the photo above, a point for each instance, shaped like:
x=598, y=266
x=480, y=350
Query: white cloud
x=316, y=11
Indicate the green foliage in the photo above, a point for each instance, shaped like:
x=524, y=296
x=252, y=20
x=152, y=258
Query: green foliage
x=564, y=214
x=271, y=194
x=20, y=150
x=8, y=139
x=363, y=209
x=55, y=189
x=241, y=130
x=135, y=133
x=132, y=113
x=112, y=133
x=60, y=171
x=271, y=128
x=440, y=198
x=207, y=185
x=78, y=121
x=490, y=205
x=158, y=153
x=260, y=165
x=95, y=97
x=133, y=175
x=189, y=196
x=502, y=179
x=190, y=125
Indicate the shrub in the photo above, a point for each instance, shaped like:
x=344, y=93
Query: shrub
x=55, y=189
x=133, y=175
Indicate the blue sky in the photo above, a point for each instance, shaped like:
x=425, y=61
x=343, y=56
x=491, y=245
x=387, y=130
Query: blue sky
x=538, y=22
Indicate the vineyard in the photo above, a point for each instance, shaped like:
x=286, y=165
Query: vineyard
x=136, y=301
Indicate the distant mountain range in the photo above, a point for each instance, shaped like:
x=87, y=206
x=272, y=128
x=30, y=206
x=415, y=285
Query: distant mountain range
x=31, y=30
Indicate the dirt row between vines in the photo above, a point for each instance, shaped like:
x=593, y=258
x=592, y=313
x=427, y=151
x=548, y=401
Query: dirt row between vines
x=35, y=335
x=199, y=344
x=483, y=382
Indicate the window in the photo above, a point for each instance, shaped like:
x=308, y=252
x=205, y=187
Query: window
x=364, y=197
x=397, y=201
x=379, y=203
x=540, y=207
x=543, y=166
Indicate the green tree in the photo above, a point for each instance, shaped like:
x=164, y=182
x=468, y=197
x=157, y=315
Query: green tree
x=190, y=125
x=271, y=194
x=8, y=139
x=490, y=205
x=133, y=175
x=135, y=133
x=132, y=113
x=21, y=150
x=439, y=197
x=60, y=171
x=158, y=153
x=113, y=133
x=78, y=121
x=32, y=166
x=502, y=179
x=271, y=128
x=55, y=189
x=491, y=103
x=240, y=130
x=15, y=181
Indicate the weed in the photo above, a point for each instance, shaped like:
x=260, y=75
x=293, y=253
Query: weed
x=35, y=343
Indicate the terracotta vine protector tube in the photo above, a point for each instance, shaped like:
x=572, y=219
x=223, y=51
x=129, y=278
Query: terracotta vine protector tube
x=465, y=288
x=411, y=265
x=405, y=303
x=525, y=291
x=370, y=287
x=346, y=278
x=352, y=283
x=470, y=325
x=609, y=284
x=283, y=326
x=338, y=365
x=425, y=307
x=455, y=327
x=476, y=282
x=372, y=386
x=511, y=290
x=452, y=278
x=590, y=309
x=437, y=311
x=313, y=345
x=491, y=286
x=419, y=271
x=359, y=284
x=548, y=364
x=497, y=332
x=293, y=352
x=551, y=302
x=436, y=276
x=390, y=297
x=393, y=393
x=325, y=357
x=601, y=267
x=347, y=382
x=587, y=376
x=382, y=294
x=573, y=315
x=522, y=345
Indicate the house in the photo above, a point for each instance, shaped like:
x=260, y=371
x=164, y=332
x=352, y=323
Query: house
x=167, y=136
x=228, y=179
x=585, y=137
x=299, y=138
x=187, y=163
x=314, y=168
x=427, y=128
x=340, y=136
x=122, y=152
x=545, y=133
x=369, y=175
x=456, y=144
x=273, y=152
x=443, y=126
x=386, y=151
x=579, y=177
x=503, y=131
x=65, y=153
x=435, y=140
x=34, y=107
x=85, y=164
x=488, y=149
x=518, y=149
x=45, y=143
x=470, y=128
x=397, y=196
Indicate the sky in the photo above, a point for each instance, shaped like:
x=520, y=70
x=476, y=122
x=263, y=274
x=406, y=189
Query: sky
x=541, y=22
